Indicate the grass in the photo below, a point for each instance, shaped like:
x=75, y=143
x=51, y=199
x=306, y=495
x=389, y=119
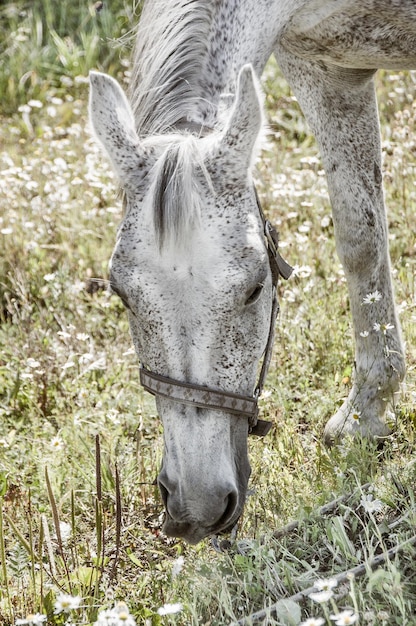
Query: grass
x=81, y=444
x=45, y=46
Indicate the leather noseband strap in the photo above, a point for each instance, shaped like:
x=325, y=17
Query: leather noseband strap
x=206, y=398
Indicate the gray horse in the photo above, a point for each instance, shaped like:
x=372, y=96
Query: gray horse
x=192, y=263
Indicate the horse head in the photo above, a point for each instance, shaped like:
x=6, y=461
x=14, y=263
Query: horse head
x=191, y=266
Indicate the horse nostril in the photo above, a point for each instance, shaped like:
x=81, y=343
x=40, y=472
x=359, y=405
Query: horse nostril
x=164, y=492
x=230, y=508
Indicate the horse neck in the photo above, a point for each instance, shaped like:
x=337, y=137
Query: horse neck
x=242, y=31
x=187, y=57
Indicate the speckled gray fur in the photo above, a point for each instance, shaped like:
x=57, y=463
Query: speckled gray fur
x=189, y=256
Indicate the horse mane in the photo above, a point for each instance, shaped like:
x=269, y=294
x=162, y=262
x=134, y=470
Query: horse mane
x=165, y=89
x=168, y=58
x=179, y=176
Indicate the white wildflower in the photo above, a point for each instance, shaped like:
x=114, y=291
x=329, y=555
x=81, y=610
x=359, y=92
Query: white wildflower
x=371, y=504
x=68, y=364
x=81, y=80
x=87, y=357
x=33, y=620
x=321, y=596
x=113, y=416
x=177, y=566
x=364, y=333
x=35, y=104
x=303, y=271
x=170, y=609
x=313, y=621
x=325, y=584
x=83, y=394
x=82, y=336
x=382, y=327
x=370, y=298
x=338, y=472
x=345, y=618
x=117, y=616
x=57, y=443
x=67, y=81
x=105, y=618
x=32, y=363
x=65, y=603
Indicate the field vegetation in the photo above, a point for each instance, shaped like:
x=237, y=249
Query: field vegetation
x=80, y=442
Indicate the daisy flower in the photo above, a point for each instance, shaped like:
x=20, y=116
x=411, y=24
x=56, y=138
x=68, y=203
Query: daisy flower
x=169, y=609
x=32, y=363
x=325, y=584
x=65, y=603
x=33, y=620
x=345, y=618
x=35, y=104
x=371, y=504
x=382, y=327
x=123, y=614
x=374, y=296
x=57, y=443
x=117, y=616
x=177, y=566
x=313, y=621
x=82, y=336
x=321, y=596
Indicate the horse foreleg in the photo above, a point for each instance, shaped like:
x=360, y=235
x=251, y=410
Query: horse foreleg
x=340, y=106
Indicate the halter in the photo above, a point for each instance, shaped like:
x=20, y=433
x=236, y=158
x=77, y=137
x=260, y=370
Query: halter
x=214, y=399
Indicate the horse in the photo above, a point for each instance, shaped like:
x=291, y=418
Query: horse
x=194, y=261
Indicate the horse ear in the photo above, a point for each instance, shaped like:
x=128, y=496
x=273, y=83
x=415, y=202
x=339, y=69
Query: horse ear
x=113, y=124
x=237, y=145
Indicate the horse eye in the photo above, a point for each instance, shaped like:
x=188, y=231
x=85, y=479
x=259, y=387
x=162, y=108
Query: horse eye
x=255, y=294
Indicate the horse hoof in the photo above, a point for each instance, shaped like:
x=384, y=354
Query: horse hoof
x=349, y=423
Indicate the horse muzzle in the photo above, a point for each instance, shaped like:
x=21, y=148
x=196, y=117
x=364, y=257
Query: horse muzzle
x=196, y=520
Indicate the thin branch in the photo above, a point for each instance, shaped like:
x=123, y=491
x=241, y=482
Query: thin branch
x=98, y=468
x=118, y=525
x=356, y=572
x=330, y=507
x=56, y=523
x=55, y=514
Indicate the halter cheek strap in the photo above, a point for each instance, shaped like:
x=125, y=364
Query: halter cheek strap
x=215, y=399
